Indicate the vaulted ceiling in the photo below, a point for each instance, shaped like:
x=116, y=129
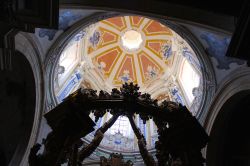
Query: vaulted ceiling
x=119, y=64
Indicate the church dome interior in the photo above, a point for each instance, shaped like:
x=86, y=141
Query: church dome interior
x=124, y=83
x=106, y=54
x=124, y=49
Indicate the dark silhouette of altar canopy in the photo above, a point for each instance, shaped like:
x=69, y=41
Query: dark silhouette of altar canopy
x=180, y=140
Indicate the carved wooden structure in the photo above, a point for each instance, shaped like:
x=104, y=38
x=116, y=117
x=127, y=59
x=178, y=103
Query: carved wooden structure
x=115, y=160
x=181, y=137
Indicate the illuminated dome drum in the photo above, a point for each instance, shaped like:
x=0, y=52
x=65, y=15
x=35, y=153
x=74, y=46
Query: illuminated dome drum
x=135, y=49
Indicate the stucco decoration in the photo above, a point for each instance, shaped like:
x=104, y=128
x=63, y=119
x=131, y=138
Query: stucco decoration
x=217, y=48
x=67, y=18
x=215, y=44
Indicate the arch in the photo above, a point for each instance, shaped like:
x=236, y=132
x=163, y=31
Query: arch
x=235, y=82
x=17, y=109
x=231, y=93
x=25, y=45
x=228, y=138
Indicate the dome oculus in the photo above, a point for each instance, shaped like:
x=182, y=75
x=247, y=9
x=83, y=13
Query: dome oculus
x=131, y=40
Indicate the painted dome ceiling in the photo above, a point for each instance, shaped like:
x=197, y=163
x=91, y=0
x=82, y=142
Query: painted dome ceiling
x=130, y=49
x=108, y=53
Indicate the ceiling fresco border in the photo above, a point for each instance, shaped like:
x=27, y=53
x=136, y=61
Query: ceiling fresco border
x=138, y=24
x=127, y=57
x=139, y=56
x=147, y=45
x=124, y=26
x=119, y=53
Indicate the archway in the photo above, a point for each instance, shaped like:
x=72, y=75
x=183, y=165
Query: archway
x=230, y=143
x=17, y=110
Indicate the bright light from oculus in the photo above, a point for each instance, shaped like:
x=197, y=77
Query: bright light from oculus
x=131, y=39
